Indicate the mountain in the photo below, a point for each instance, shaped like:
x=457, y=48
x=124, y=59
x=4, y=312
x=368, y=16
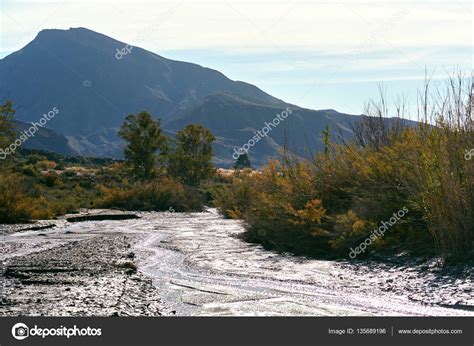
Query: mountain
x=77, y=72
x=235, y=120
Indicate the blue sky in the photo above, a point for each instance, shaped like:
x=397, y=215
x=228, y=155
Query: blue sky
x=316, y=54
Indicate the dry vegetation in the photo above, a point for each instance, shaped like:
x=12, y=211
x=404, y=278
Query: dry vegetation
x=324, y=206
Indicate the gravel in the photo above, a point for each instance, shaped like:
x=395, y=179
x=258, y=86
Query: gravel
x=89, y=277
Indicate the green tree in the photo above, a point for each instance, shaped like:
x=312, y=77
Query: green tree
x=144, y=138
x=7, y=127
x=242, y=162
x=191, y=161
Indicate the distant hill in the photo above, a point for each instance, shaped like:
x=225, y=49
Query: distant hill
x=46, y=139
x=76, y=71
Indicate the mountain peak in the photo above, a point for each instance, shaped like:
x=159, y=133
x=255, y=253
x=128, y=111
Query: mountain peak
x=71, y=30
x=79, y=34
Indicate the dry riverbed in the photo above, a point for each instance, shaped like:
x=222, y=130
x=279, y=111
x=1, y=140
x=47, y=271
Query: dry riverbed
x=68, y=274
x=192, y=264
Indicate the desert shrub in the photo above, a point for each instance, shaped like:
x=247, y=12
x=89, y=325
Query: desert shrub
x=442, y=183
x=20, y=201
x=13, y=202
x=155, y=195
x=45, y=165
x=51, y=179
x=35, y=158
x=28, y=170
x=328, y=204
x=362, y=187
x=235, y=196
x=440, y=177
x=280, y=206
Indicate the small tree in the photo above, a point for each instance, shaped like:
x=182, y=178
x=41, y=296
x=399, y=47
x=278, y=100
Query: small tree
x=7, y=127
x=242, y=162
x=144, y=138
x=191, y=161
